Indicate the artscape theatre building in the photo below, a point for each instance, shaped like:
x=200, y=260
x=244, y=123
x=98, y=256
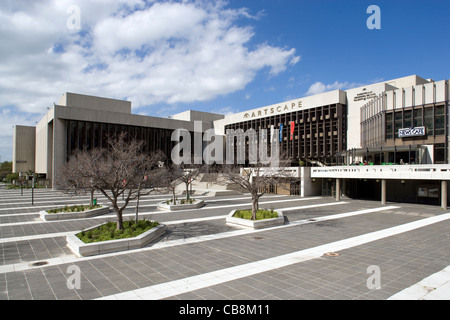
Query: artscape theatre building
x=387, y=141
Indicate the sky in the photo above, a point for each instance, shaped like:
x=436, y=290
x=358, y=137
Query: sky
x=221, y=56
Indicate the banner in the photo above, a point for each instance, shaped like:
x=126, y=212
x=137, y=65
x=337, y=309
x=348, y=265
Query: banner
x=281, y=132
x=292, y=130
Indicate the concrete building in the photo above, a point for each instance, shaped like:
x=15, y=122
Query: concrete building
x=24, y=140
x=399, y=128
x=80, y=121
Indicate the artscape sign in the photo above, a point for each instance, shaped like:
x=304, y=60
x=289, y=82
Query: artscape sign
x=411, y=132
x=273, y=110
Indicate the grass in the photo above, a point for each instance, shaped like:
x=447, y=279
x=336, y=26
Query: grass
x=109, y=231
x=73, y=209
x=14, y=187
x=260, y=214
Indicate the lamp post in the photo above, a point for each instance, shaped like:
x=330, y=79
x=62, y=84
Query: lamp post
x=32, y=190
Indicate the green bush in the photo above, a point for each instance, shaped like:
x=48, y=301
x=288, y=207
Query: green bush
x=260, y=214
x=109, y=231
x=73, y=209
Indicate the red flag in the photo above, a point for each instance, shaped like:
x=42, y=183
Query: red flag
x=292, y=130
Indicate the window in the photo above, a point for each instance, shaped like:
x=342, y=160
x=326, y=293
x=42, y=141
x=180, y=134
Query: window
x=398, y=122
x=97, y=136
x=389, y=127
x=81, y=135
x=407, y=120
x=439, y=153
x=73, y=137
x=439, y=120
x=89, y=135
x=428, y=121
x=418, y=118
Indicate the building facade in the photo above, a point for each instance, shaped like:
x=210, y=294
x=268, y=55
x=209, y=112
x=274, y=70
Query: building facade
x=403, y=121
x=80, y=122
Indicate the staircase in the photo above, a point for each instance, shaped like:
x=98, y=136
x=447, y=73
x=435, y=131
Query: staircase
x=206, y=184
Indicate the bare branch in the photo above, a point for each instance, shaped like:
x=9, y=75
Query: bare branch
x=120, y=170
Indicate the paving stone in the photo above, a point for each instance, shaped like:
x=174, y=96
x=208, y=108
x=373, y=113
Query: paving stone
x=404, y=259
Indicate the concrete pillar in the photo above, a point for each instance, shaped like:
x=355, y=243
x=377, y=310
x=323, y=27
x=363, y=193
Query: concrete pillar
x=383, y=192
x=444, y=194
x=338, y=190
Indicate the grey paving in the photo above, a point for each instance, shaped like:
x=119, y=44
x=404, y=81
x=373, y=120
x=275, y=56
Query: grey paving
x=403, y=259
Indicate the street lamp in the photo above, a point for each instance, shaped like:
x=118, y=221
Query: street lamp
x=32, y=190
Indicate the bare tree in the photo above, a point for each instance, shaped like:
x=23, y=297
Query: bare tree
x=169, y=181
x=176, y=174
x=256, y=180
x=121, y=170
x=187, y=176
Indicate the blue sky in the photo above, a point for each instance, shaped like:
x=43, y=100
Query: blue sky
x=219, y=56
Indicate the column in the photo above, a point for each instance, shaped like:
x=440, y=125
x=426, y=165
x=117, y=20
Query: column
x=338, y=190
x=444, y=194
x=383, y=192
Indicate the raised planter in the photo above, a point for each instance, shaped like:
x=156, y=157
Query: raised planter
x=44, y=215
x=82, y=249
x=258, y=224
x=173, y=207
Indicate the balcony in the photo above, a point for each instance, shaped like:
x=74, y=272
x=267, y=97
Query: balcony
x=400, y=172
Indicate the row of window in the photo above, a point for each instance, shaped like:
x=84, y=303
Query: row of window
x=90, y=135
x=433, y=118
x=317, y=133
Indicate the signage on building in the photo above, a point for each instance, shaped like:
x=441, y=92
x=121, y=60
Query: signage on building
x=273, y=110
x=365, y=95
x=411, y=132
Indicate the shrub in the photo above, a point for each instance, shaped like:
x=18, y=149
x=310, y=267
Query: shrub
x=77, y=208
x=109, y=231
x=260, y=214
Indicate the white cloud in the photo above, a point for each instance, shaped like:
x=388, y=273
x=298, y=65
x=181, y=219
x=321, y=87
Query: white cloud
x=320, y=87
x=150, y=52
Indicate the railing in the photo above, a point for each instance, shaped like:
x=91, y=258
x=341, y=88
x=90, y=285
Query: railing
x=414, y=172
x=288, y=172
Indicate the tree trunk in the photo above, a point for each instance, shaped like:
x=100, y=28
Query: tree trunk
x=254, y=208
x=187, y=191
x=119, y=217
x=174, y=196
x=92, y=197
x=137, y=204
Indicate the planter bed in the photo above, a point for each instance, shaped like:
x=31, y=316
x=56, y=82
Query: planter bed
x=174, y=207
x=73, y=215
x=258, y=224
x=82, y=249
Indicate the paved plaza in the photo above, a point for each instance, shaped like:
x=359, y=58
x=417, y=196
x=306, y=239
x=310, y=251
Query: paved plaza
x=326, y=250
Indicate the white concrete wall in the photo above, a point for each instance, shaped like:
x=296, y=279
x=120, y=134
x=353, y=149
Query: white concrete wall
x=192, y=115
x=43, y=148
x=354, y=110
x=308, y=187
x=24, y=138
x=97, y=103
